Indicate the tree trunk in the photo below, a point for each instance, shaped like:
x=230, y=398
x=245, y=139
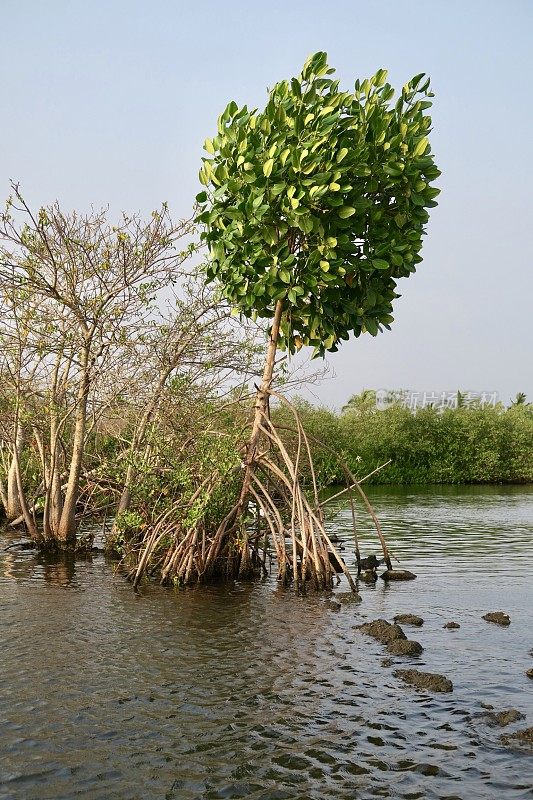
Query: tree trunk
x=26, y=513
x=14, y=506
x=125, y=497
x=261, y=401
x=3, y=495
x=53, y=503
x=138, y=436
x=261, y=409
x=66, y=532
x=54, y=494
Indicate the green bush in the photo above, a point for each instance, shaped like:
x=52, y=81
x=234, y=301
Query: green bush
x=463, y=445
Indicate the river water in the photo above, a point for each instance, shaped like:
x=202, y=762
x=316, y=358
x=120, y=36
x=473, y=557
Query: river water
x=248, y=691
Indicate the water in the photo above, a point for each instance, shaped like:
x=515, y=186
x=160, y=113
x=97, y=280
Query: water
x=248, y=691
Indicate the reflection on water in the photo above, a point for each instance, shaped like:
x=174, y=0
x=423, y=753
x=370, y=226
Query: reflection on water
x=247, y=691
x=55, y=569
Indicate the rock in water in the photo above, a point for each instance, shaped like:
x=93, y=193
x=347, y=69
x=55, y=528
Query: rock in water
x=382, y=630
x=529, y=673
x=504, y=718
x=404, y=647
x=346, y=598
x=498, y=617
x=408, y=619
x=451, y=625
x=522, y=739
x=398, y=575
x=424, y=680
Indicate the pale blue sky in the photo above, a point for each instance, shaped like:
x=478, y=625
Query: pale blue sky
x=110, y=101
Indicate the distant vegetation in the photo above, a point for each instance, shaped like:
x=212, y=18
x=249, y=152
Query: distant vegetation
x=463, y=445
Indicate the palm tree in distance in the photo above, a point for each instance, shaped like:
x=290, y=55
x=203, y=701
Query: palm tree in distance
x=362, y=403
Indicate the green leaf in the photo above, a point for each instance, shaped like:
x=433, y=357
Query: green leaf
x=208, y=145
x=418, y=199
x=343, y=152
x=295, y=86
x=394, y=172
x=346, y=211
x=267, y=167
x=379, y=263
x=270, y=235
x=230, y=110
x=380, y=77
x=305, y=223
x=400, y=220
x=416, y=80
x=421, y=147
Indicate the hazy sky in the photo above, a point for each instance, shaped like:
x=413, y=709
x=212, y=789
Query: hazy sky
x=109, y=101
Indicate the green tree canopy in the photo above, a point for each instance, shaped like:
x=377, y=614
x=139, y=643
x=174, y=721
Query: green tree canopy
x=320, y=201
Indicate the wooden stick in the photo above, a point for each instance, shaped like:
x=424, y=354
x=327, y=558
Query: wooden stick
x=353, y=486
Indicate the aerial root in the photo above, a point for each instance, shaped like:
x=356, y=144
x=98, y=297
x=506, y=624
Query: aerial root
x=272, y=512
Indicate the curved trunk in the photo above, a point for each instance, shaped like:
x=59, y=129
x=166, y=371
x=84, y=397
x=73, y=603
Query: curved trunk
x=29, y=520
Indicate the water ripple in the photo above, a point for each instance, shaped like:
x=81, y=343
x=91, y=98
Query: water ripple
x=247, y=691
